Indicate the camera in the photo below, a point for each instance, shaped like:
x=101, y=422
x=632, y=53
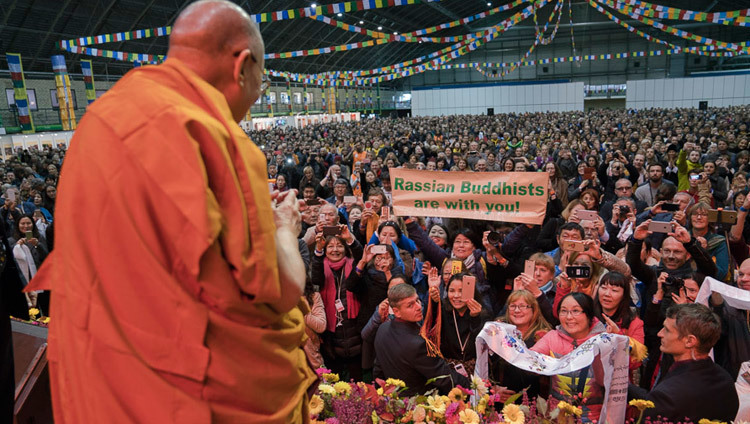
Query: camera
x=672, y=285
x=494, y=238
x=624, y=209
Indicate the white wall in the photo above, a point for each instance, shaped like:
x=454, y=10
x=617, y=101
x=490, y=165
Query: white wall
x=729, y=90
x=503, y=98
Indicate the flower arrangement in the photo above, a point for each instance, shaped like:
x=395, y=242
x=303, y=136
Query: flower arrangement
x=35, y=318
x=340, y=402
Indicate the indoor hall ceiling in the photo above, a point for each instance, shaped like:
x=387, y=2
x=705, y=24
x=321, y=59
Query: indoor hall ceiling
x=32, y=27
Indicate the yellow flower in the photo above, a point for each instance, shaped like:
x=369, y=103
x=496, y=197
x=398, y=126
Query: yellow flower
x=437, y=404
x=343, y=388
x=45, y=320
x=468, y=416
x=512, y=414
x=326, y=389
x=569, y=409
x=478, y=385
x=374, y=417
x=395, y=382
x=707, y=421
x=419, y=414
x=380, y=391
x=330, y=377
x=456, y=395
x=641, y=404
x=316, y=405
x=33, y=312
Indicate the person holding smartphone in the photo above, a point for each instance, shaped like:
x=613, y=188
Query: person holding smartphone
x=457, y=321
x=30, y=250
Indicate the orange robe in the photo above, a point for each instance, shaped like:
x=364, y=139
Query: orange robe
x=164, y=275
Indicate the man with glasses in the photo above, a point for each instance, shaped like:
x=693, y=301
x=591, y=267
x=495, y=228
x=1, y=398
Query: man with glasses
x=177, y=300
x=623, y=189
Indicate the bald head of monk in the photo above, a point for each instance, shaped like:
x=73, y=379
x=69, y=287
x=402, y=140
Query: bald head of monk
x=220, y=42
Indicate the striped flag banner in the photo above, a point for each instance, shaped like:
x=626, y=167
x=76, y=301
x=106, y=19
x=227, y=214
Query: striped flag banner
x=88, y=80
x=19, y=92
x=741, y=48
x=732, y=17
x=64, y=96
x=702, y=50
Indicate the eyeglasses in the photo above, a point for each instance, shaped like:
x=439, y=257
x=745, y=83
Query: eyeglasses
x=700, y=214
x=519, y=307
x=265, y=81
x=623, y=188
x=572, y=313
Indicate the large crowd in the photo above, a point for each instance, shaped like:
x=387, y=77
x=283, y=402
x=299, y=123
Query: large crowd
x=385, y=292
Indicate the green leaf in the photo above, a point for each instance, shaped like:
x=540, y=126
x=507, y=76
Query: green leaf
x=432, y=380
x=513, y=398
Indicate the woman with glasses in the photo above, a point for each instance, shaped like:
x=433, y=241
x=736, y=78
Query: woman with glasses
x=715, y=244
x=578, y=323
x=521, y=310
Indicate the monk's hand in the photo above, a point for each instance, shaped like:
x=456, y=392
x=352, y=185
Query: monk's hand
x=286, y=212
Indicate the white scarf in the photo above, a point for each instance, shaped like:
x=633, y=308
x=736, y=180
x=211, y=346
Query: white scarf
x=733, y=296
x=612, y=349
x=626, y=230
x=25, y=261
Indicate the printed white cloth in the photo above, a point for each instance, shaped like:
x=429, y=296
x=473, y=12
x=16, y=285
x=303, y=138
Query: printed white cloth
x=612, y=349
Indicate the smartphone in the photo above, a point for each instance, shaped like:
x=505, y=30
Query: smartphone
x=350, y=200
x=10, y=195
x=332, y=230
x=670, y=207
x=456, y=267
x=461, y=369
x=468, y=287
x=368, y=205
x=385, y=213
x=727, y=217
x=584, y=215
x=378, y=249
x=29, y=235
x=589, y=172
x=660, y=227
x=578, y=271
x=528, y=267
x=573, y=245
x=695, y=177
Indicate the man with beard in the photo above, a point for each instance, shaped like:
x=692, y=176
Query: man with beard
x=647, y=192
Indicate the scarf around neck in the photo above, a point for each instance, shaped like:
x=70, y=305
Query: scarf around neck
x=329, y=292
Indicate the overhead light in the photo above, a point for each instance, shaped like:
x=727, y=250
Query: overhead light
x=489, y=4
x=379, y=28
x=314, y=5
x=339, y=14
x=395, y=33
x=361, y=22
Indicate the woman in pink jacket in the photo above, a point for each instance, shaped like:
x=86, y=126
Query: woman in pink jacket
x=578, y=323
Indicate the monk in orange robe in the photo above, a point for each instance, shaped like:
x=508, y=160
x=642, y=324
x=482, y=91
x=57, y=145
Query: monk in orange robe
x=176, y=277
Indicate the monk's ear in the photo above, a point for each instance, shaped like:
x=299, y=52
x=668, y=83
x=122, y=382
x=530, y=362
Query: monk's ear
x=238, y=66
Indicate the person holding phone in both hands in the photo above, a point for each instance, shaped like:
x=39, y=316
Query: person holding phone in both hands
x=453, y=326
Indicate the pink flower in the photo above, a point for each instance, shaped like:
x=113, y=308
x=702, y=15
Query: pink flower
x=320, y=371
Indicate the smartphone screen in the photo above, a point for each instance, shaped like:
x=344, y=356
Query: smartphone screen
x=573, y=245
x=11, y=195
x=350, y=199
x=670, y=207
x=468, y=287
x=456, y=267
x=331, y=231
x=378, y=249
x=29, y=235
x=578, y=271
x=385, y=212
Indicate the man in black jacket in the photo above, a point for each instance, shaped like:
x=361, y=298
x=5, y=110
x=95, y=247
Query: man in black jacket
x=694, y=387
x=400, y=352
x=679, y=252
